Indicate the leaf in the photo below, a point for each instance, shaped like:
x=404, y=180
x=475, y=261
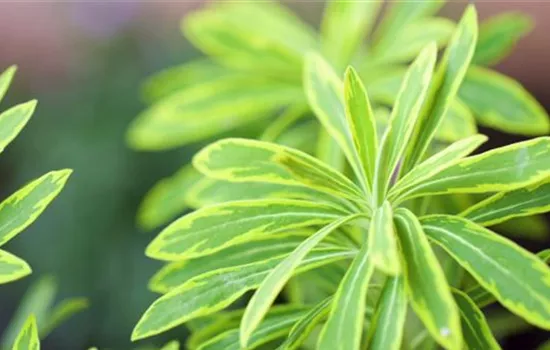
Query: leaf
x=23, y=207
x=386, y=329
x=502, y=103
x=272, y=285
x=28, y=336
x=436, y=163
x=457, y=124
x=499, y=34
x=477, y=334
x=223, y=105
x=173, y=345
x=428, y=291
x=361, y=121
x=356, y=19
x=5, y=80
x=240, y=160
x=500, y=169
x=213, y=228
x=403, y=118
x=305, y=325
x=382, y=242
x=216, y=290
x=520, y=281
x=447, y=79
x=276, y=325
x=13, y=120
x=325, y=93
x=344, y=326
x=284, y=122
x=12, y=268
x=530, y=200
x=62, y=312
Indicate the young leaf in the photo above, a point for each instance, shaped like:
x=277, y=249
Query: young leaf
x=386, y=329
x=403, y=118
x=477, y=334
x=501, y=169
x=272, y=285
x=449, y=75
x=425, y=283
x=23, y=207
x=502, y=103
x=361, y=121
x=13, y=120
x=382, y=242
x=28, y=336
x=499, y=34
x=503, y=206
x=5, y=80
x=520, y=282
x=12, y=268
x=218, y=289
x=240, y=160
x=436, y=163
x=355, y=18
x=211, y=229
x=344, y=326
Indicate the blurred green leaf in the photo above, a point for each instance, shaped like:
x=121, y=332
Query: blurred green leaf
x=27, y=339
x=5, y=80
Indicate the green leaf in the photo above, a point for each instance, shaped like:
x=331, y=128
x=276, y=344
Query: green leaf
x=240, y=160
x=344, y=326
x=403, y=118
x=386, y=329
x=500, y=169
x=28, y=336
x=520, y=281
x=5, y=80
x=502, y=103
x=213, y=228
x=477, y=334
x=355, y=19
x=23, y=207
x=428, y=291
x=173, y=345
x=62, y=312
x=499, y=34
x=447, y=79
x=223, y=104
x=12, y=268
x=305, y=325
x=457, y=124
x=361, y=121
x=262, y=299
x=436, y=163
x=13, y=120
x=382, y=242
x=325, y=93
x=284, y=122
x=216, y=290
x=530, y=200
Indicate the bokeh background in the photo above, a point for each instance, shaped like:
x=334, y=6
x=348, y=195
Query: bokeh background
x=85, y=62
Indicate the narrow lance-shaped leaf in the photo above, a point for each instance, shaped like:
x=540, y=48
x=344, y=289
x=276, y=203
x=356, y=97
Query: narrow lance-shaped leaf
x=477, y=334
x=210, y=229
x=437, y=163
x=12, y=268
x=449, y=75
x=218, y=289
x=503, y=206
x=520, y=282
x=28, y=336
x=386, y=329
x=501, y=169
x=361, y=121
x=382, y=241
x=5, y=80
x=240, y=160
x=344, y=327
x=13, y=120
x=23, y=207
x=62, y=312
x=272, y=285
x=403, y=118
x=305, y=325
x=428, y=291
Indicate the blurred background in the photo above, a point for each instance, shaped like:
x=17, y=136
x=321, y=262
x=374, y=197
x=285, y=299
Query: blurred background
x=85, y=62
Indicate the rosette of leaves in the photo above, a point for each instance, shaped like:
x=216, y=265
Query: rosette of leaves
x=250, y=82
x=24, y=206
x=377, y=225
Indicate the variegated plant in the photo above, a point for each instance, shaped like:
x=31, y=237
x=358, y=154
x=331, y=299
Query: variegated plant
x=24, y=206
x=377, y=233
x=250, y=84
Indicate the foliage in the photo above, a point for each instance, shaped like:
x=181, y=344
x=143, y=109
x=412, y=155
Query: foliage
x=368, y=212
